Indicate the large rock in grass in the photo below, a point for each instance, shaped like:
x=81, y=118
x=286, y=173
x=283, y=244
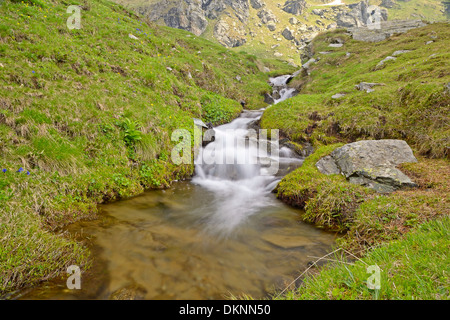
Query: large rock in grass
x=288, y=34
x=229, y=36
x=295, y=7
x=257, y=4
x=371, y=163
x=384, y=30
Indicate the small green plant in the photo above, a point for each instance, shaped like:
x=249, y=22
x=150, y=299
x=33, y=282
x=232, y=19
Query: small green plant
x=132, y=133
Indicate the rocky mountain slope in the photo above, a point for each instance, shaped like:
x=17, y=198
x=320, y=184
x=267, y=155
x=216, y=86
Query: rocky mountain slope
x=278, y=28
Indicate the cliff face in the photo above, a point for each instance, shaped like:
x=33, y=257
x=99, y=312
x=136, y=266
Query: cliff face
x=230, y=20
x=278, y=28
x=193, y=15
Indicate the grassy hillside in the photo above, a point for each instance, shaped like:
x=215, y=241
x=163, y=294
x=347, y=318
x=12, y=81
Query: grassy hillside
x=264, y=43
x=86, y=116
x=413, y=104
x=410, y=103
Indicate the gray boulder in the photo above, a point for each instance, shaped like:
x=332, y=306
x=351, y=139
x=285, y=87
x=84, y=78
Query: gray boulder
x=338, y=95
x=387, y=3
x=288, y=34
x=371, y=163
x=257, y=4
x=399, y=52
x=382, y=63
x=267, y=16
x=295, y=7
x=447, y=88
x=229, y=37
x=271, y=27
x=367, y=86
x=360, y=15
x=384, y=30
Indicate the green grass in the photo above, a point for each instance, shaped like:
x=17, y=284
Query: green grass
x=260, y=39
x=410, y=105
x=90, y=112
x=328, y=201
x=415, y=267
x=393, y=231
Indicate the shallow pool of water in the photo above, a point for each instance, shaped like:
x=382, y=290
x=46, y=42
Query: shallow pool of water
x=160, y=245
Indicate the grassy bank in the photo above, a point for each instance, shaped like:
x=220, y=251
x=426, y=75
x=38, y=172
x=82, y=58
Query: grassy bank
x=415, y=267
x=365, y=217
x=412, y=104
x=86, y=116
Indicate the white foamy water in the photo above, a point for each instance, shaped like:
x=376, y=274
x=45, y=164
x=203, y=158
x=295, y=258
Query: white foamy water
x=280, y=90
x=240, y=188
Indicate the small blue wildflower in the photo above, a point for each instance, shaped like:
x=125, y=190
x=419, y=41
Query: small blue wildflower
x=4, y=170
x=32, y=71
x=28, y=173
x=20, y=169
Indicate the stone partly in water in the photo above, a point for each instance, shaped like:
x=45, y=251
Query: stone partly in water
x=371, y=163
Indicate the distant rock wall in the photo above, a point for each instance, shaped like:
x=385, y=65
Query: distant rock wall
x=386, y=29
x=231, y=19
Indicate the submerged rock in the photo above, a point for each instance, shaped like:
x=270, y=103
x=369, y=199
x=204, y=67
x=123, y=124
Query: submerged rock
x=371, y=163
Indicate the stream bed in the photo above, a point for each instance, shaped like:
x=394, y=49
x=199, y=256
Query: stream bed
x=221, y=234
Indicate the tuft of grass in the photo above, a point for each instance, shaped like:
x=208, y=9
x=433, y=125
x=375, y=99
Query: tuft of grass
x=413, y=267
x=329, y=201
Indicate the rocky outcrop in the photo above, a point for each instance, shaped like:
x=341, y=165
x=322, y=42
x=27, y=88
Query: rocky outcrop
x=295, y=7
x=182, y=14
x=229, y=36
x=257, y=4
x=267, y=16
x=361, y=14
x=193, y=15
x=387, y=4
x=371, y=163
x=385, y=30
x=288, y=34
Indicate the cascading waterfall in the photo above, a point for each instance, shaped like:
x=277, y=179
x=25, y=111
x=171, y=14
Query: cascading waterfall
x=234, y=172
x=281, y=91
